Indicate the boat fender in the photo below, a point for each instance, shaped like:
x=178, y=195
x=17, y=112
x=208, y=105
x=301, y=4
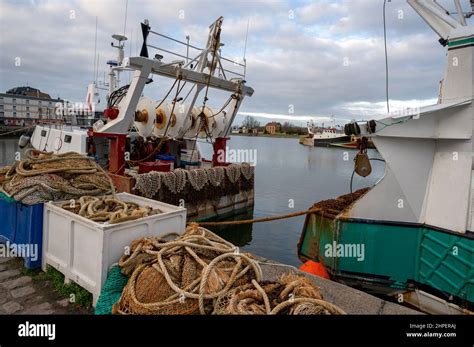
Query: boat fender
x=362, y=165
x=315, y=268
x=347, y=129
x=352, y=129
x=23, y=141
x=111, y=113
x=371, y=125
x=356, y=128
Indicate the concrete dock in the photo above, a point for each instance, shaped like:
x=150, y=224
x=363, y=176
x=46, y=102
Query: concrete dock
x=351, y=300
x=21, y=294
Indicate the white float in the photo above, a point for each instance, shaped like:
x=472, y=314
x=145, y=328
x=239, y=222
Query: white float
x=146, y=110
x=170, y=120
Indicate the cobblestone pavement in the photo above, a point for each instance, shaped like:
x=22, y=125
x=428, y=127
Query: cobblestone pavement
x=22, y=294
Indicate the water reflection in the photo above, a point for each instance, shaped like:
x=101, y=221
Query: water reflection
x=8, y=148
x=290, y=177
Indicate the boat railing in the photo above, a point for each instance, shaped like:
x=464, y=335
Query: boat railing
x=191, y=63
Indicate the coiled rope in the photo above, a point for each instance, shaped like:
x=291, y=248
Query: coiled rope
x=199, y=272
x=45, y=176
x=108, y=209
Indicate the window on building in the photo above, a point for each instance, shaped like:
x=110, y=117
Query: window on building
x=14, y=101
x=27, y=101
x=14, y=113
x=1, y=107
x=28, y=114
x=40, y=102
x=50, y=103
x=14, y=107
x=27, y=108
x=2, y=114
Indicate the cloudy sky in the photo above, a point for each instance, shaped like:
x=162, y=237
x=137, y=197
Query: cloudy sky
x=304, y=58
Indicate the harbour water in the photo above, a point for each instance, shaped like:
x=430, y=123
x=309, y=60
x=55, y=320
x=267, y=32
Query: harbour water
x=289, y=177
x=8, y=148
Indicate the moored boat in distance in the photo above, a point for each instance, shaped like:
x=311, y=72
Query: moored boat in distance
x=323, y=137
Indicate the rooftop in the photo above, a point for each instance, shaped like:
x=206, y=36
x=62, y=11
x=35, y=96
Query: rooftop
x=28, y=91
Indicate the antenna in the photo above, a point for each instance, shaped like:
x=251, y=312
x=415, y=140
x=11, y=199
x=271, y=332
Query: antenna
x=130, y=54
x=125, y=20
x=386, y=55
x=246, y=37
x=245, y=48
x=95, y=49
x=97, y=69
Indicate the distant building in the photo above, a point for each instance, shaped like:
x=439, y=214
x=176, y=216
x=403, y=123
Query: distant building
x=22, y=106
x=273, y=128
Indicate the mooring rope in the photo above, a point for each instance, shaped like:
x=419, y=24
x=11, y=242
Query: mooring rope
x=259, y=220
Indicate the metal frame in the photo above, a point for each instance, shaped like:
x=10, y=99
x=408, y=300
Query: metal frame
x=196, y=75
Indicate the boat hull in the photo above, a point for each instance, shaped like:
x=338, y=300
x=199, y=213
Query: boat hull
x=208, y=204
x=397, y=257
x=323, y=142
x=326, y=142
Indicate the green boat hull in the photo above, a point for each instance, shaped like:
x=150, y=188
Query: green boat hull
x=396, y=257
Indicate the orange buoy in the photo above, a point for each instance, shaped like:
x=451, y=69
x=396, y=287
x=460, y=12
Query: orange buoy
x=315, y=268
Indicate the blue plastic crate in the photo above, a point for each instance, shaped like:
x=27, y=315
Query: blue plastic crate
x=22, y=225
x=8, y=218
x=29, y=230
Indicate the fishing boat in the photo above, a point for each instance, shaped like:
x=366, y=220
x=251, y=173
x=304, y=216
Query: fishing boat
x=411, y=235
x=322, y=137
x=150, y=147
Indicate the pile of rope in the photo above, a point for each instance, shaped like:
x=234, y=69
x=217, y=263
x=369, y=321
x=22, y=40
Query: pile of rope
x=108, y=209
x=290, y=295
x=52, y=177
x=201, y=273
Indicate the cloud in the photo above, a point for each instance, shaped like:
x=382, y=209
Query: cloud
x=284, y=116
x=318, y=58
x=368, y=110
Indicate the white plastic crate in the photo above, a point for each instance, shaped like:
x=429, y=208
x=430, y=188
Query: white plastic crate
x=84, y=250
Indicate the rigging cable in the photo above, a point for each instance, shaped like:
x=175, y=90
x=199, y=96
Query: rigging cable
x=202, y=116
x=168, y=93
x=353, y=172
